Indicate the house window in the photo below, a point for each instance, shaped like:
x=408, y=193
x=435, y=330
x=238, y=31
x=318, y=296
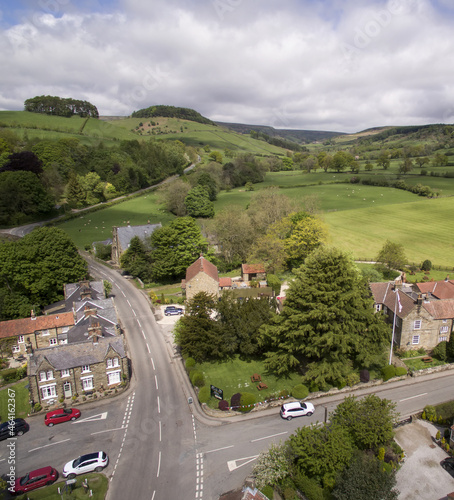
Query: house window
x=444, y=329
x=442, y=339
x=63, y=341
x=50, y=375
x=48, y=391
x=445, y=321
x=15, y=349
x=113, y=378
x=417, y=324
x=415, y=339
x=52, y=341
x=65, y=373
x=112, y=362
x=21, y=340
x=85, y=368
x=87, y=383
x=377, y=307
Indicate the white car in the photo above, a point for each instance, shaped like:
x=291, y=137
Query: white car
x=296, y=409
x=86, y=463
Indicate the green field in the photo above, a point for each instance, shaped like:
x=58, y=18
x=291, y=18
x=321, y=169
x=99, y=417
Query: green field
x=21, y=398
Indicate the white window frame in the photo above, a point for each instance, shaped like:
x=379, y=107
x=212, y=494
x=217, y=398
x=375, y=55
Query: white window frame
x=45, y=388
x=42, y=376
x=110, y=375
x=85, y=369
x=417, y=324
x=53, y=342
x=50, y=375
x=87, y=383
x=377, y=307
x=15, y=349
x=415, y=340
x=442, y=339
x=63, y=341
x=20, y=339
x=444, y=329
x=113, y=363
x=65, y=372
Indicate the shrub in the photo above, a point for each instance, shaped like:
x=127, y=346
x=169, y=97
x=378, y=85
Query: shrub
x=247, y=402
x=274, y=282
x=381, y=454
x=223, y=405
x=284, y=394
x=388, y=372
x=235, y=401
x=400, y=370
x=311, y=489
x=204, y=395
x=300, y=391
x=430, y=412
x=9, y=375
x=197, y=378
x=440, y=351
x=268, y=492
x=189, y=363
x=438, y=435
x=353, y=378
x=289, y=493
x=426, y=265
x=37, y=407
x=341, y=384
x=313, y=387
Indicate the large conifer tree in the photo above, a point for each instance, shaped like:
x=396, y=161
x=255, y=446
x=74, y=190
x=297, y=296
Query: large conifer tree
x=328, y=325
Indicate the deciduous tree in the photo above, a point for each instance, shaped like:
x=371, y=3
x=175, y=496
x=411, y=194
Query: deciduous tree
x=392, y=256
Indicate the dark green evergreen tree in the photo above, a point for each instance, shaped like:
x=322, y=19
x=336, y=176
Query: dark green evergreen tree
x=198, y=203
x=136, y=260
x=328, y=324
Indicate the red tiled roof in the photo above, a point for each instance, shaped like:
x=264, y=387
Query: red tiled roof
x=440, y=289
x=26, y=326
x=201, y=265
x=383, y=294
x=440, y=309
x=224, y=281
x=252, y=268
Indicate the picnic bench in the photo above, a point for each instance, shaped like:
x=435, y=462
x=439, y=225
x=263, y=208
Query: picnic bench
x=427, y=359
x=256, y=378
x=262, y=386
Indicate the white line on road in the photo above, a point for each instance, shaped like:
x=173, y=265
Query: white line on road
x=159, y=464
x=159, y=406
x=108, y=430
x=148, y=347
x=413, y=397
x=219, y=449
x=143, y=335
x=129, y=303
x=152, y=497
x=46, y=445
x=269, y=437
x=156, y=380
x=152, y=363
x=231, y=464
x=160, y=435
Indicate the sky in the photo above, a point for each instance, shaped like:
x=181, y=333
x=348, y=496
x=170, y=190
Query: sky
x=338, y=65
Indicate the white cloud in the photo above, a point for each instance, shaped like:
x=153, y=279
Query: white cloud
x=332, y=65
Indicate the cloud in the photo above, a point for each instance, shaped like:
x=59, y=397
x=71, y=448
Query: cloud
x=332, y=65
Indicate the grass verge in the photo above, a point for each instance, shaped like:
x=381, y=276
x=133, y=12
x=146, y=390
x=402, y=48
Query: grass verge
x=21, y=397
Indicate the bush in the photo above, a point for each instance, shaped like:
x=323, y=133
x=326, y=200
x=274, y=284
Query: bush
x=204, y=395
x=37, y=407
x=268, y=492
x=311, y=489
x=9, y=375
x=284, y=394
x=197, y=378
x=223, y=405
x=353, y=378
x=400, y=370
x=189, y=363
x=426, y=265
x=388, y=372
x=300, y=391
x=430, y=412
x=235, y=401
x=440, y=351
x=314, y=387
x=341, y=384
x=247, y=402
x=274, y=282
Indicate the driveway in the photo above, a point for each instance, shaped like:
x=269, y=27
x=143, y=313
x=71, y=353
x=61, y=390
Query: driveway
x=421, y=477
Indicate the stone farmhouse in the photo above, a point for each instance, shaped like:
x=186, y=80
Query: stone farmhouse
x=122, y=236
x=75, y=369
x=422, y=314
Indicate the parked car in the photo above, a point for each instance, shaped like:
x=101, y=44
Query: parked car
x=86, y=463
x=448, y=465
x=61, y=415
x=296, y=409
x=172, y=310
x=35, y=479
x=15, y=427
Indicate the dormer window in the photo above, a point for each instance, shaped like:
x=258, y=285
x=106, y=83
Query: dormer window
x=113, y=362
x=85, y=368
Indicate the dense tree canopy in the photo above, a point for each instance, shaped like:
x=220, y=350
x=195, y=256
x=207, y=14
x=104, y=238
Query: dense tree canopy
x=54, y=105
x=35, y=268
x=392, y=256
x=198, y=203
x=328, y=324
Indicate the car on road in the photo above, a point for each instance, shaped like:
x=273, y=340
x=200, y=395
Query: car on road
x=11, y=428
x=35, y=479
x=86, y=463
x=296, y=409
x=448, y=465
x=61, y=415
x=172, y=310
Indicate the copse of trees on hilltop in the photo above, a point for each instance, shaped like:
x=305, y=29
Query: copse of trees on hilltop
x=60, y=106
x=171, y=112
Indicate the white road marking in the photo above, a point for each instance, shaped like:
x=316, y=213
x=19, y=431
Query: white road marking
x=159, y=464
x=108, y=430
x=148, y=347
x=46, y=445
x=413, y=397
x=129, y=303
x=152, y=363
x=218, y=449
x=231, y=464
x=156, y=380
x=160, y=434
x=269, y=437
x=159, y=406
x=99, y=416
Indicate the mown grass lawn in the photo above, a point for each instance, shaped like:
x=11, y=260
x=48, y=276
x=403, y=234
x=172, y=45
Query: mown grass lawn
x=234, y=376
x=419, y=364
x=21, y=398
x=97, y=483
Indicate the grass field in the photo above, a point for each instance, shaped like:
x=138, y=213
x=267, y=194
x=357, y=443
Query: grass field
x=21, y=398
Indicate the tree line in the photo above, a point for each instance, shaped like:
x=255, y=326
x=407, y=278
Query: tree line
x=60, y=106
x=171, y=112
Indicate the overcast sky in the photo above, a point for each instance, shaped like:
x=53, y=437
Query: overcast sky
x=342, y=65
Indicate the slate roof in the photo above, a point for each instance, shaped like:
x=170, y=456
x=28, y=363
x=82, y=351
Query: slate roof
x=439, y=289
x=201, y=265
x=126, y=233
x=72, y=355
x=252, y=268
x=27, y=326
x=384, y=294
x=74, y=291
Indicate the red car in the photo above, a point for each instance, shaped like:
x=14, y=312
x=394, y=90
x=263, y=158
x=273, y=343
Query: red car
x=61, y=415
x=35, y=479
